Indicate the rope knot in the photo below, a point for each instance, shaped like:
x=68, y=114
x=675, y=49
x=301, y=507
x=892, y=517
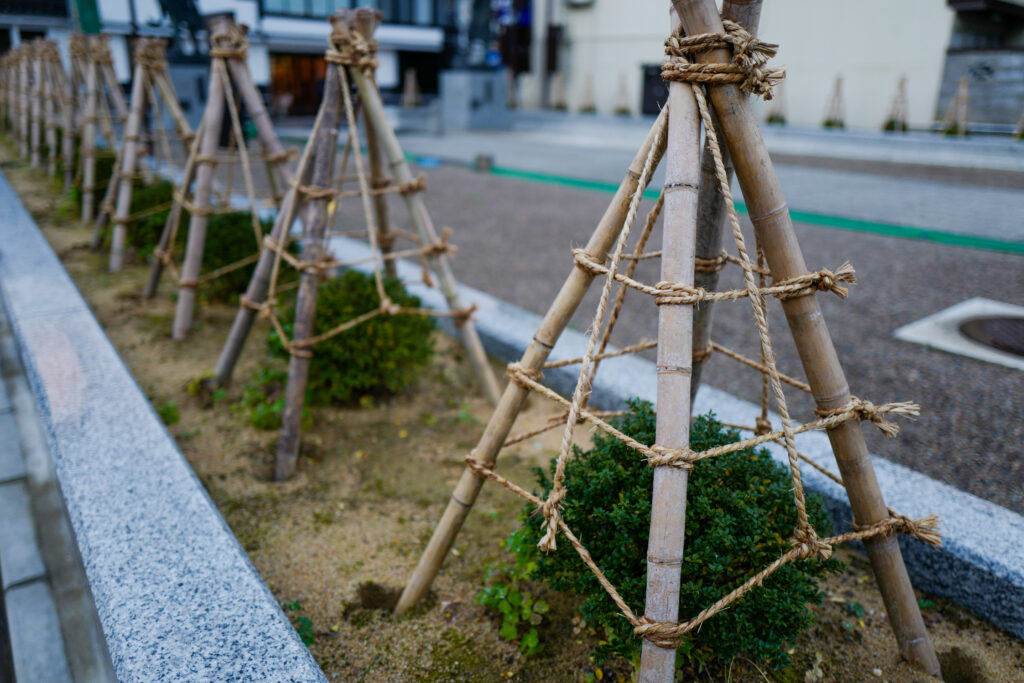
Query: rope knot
x=351, y=48
x=662, y=633
x=762, y=425
x=517, y=371
x=808, y=544
x=680, y=458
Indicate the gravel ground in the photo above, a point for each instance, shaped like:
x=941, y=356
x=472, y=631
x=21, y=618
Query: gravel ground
x=514, y=238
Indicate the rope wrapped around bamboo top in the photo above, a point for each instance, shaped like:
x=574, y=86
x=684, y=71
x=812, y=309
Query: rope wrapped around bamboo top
x=747, y=69
x=351, y=48
x=230, y=43
x=151, y=53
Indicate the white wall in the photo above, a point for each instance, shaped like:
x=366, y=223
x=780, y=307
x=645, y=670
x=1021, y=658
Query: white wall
x=870, y=42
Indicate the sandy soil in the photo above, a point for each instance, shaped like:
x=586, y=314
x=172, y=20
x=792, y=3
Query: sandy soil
x=343, y=535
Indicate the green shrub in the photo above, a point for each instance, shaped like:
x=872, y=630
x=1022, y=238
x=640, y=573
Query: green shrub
x=380, y=357
x=739, y=517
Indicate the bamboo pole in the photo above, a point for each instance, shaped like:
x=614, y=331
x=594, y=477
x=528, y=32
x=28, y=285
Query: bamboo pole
x=51, y=88
x=166, y=242
x=70, y=101
x=711, y=214
x=213, y=117
x=555, y=321
x=380, y=202
x=23, y=101
x=775, y=235
x=36, y=52
x=125, y=170
x=675, y=336
x=88, y=150
x=424, y=227
x=325, y=148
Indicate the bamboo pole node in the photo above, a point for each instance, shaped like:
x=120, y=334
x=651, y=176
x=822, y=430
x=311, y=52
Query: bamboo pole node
x=747, y=68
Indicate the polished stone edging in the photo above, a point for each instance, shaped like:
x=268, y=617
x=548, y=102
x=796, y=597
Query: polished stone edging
x=980, y=565
x=176, y=595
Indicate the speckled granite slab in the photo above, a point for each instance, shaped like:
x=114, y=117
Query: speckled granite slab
x=176, y=594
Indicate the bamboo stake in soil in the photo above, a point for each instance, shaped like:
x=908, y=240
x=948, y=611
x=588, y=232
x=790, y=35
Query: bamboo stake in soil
x=36, y=52
x=324, y=146
x=24, y=103
x=51, y=88
x=208, y=144
x=125, y=171
x=88, y=151
x=555, y=321
x=420, y=218
x=776, y=237
x=380, y=203
x=675, y=330
x=711, y=214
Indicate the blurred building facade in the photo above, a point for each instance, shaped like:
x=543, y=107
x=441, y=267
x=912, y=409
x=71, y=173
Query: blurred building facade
x=287, y=39
x=607, y=52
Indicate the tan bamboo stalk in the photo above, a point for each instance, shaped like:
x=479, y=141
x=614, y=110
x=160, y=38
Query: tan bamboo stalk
x=114, y=91
x=36, y=52
x=170, y=100
x=675, y=336
x=166, y=242
x=127, y=159
x=380, y=204
x=324, y=151
x=24, y=100
x=88, y=151
x=711, y=214
x=776, y=237
x=5, y=93
x=51, y=90
x=213, y=118
x=424, y=227
x=555, y=321
x=69, y=94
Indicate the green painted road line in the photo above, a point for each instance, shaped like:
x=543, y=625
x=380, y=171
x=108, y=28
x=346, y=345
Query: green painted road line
x=902, y=231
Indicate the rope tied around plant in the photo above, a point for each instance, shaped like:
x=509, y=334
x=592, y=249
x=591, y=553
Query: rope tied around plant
x=747, y=69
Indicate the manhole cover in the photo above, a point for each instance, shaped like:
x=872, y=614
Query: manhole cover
x=1005, y=334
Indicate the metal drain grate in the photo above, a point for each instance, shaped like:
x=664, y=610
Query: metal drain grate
x=1004, y=334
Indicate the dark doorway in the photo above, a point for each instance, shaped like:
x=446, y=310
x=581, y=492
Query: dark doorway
x=296, y=83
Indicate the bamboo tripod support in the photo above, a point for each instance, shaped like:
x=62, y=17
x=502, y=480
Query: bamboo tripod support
x=955, y=120
x=312, y=192
x=776, y=236
x=834, y=116
x=897, y=117
x=151, y=87
x=102, y=93
x=229, y=76
x=24, y=104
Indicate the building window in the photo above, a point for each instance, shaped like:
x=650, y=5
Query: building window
x=35, y=8
x=415, y=12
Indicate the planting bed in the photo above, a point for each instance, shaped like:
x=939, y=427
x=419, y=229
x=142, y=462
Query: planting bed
x=336, y=543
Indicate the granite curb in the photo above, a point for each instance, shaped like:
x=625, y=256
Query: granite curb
x=176, y=595
x=980, y=565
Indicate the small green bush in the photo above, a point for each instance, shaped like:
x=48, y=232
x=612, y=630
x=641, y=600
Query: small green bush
x=739, y=517
x=511, y=593
x=380, y=357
